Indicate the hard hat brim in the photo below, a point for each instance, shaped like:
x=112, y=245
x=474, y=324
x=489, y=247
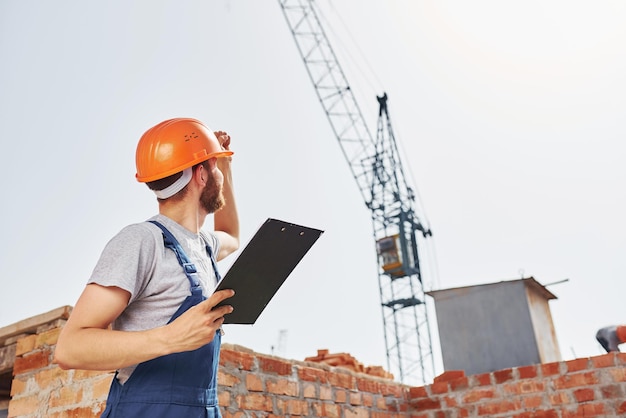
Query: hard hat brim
x=220, y=154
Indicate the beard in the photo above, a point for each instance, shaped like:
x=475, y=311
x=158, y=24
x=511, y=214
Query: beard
x=212, y=198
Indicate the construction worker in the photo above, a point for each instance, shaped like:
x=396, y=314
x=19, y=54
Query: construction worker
x=148, y=310
x=612, y=336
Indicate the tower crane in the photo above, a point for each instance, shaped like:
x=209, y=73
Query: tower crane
x=377, y=168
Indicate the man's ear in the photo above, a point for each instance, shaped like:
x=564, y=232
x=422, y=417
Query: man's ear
x=200, y=175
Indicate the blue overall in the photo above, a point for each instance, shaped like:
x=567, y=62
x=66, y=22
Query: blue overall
x=175, y=385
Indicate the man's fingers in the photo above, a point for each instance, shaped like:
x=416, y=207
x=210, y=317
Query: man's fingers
x=215, y=299
x=220, y=295
x=222, y=310
x=223, y=138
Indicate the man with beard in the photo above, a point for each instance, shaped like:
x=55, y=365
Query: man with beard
x=148, y=310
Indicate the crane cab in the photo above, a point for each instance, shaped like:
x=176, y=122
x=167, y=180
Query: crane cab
x=390, y=254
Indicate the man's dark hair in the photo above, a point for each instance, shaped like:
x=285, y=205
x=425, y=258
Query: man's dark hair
x=169, y=180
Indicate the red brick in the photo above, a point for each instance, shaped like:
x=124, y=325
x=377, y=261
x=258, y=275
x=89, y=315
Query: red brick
x=82, y=412
x=417, y=392
x=223, y=398
x=439, y=388
x=367, y=385
x=297, y=407
x=450, y=402
x=100, y=388
x=550, y=413
x=524, y=387
x=342, y=380
x=311, y=374
x=449, y=375
x=331, y=410
x=459, y=384
x=426, y=403
x=326, y=393
x=66, y=396
x=254, y=402
x=32, y=361
x=577, y=365
x=253, y=383
x=53, y=377
x=381, y=403
x=25, y=345
x=367, y=399
x=550, y=369
x=282, y=387
x=225, y=378
x=18, y=387
x=621, y=409
x=271, y=365
x=575, y=380
x=532, y=402
x=478, y=394
x=309, y=391
x=356, y=398
x=47, y=338
x=605, y=360
x=341, y=396
x=502, y=376
x=584, y=395
x=391, y=390
x=527, y=372
x=499, y=407
x=483, y=379
x=23, y=406
x=242, y=361
x=532, y=386
x=560, y=398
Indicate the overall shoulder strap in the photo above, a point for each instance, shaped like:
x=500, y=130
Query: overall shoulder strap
x=213, y=258
x=172, y=243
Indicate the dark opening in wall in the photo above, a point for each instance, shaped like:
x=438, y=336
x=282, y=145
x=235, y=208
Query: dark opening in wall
x=5, y=392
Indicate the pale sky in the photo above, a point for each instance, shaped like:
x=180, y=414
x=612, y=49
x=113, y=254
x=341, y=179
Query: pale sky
x=510, y=114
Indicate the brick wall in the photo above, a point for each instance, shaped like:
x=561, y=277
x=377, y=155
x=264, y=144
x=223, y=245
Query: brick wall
x=251, y=384
x=258, y=385
x=266, y=386
x=585, y=387
x=41, y=389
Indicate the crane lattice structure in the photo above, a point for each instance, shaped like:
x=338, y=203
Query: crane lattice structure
x=377, y=169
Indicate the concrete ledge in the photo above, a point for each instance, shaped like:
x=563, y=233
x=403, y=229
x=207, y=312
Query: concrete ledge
x=30, y=325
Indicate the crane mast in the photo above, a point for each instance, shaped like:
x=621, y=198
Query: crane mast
x=377, y=169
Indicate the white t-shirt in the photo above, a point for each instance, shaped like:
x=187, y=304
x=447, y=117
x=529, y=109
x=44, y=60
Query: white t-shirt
x=137, y=261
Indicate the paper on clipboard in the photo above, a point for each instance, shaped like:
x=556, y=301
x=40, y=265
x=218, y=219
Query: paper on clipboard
x=263, y=266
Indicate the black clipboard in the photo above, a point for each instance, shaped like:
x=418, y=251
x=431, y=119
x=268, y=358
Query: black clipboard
x=263, y=266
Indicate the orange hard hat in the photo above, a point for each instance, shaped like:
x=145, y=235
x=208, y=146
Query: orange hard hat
x=174, y=145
